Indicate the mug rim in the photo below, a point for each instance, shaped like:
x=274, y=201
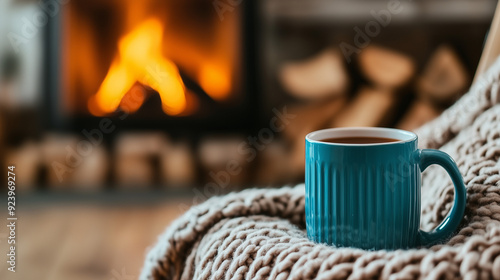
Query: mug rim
x=403, y=136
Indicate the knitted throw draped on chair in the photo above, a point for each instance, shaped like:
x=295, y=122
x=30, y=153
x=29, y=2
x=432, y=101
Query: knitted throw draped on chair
x=260, y=233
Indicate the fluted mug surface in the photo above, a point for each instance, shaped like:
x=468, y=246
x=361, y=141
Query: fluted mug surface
x=368, y=195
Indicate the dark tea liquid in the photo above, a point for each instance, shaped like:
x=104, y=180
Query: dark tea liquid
x=359, y=140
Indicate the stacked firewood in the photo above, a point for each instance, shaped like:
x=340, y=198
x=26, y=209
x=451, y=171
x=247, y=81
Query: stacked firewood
x=389, y=78
x=138, y=160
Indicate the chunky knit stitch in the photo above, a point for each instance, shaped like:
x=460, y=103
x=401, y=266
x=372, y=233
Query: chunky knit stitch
x=260, y=233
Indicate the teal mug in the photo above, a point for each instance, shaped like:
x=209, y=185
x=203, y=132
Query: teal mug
x=363, y=189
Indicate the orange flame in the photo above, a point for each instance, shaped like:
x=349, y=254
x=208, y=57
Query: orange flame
x=215, y=80
x=140, y=59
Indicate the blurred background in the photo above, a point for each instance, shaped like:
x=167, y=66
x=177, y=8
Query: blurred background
x=121, y=114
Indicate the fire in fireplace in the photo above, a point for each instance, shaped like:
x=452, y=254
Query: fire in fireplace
x=166, y=61
x=138, y=53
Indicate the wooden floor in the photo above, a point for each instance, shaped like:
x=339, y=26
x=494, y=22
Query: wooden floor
x=84, y=240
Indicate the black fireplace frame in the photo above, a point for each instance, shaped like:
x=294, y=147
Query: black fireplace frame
x=244, y=118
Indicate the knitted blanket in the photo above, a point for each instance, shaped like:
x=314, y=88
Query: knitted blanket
x=260, y=233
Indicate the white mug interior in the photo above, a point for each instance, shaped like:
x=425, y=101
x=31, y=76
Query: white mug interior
x=378, y=132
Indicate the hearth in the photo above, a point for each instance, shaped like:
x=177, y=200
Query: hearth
x=169, y=65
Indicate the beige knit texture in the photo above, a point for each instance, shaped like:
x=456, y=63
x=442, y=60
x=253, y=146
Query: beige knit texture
x=260, y=233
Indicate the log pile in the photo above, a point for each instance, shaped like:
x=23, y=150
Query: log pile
x=389, y=79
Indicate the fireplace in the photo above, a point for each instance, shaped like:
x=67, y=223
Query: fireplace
x=172, y=65
x=188, y=85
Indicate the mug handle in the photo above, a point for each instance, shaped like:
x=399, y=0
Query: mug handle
x=425, y=158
